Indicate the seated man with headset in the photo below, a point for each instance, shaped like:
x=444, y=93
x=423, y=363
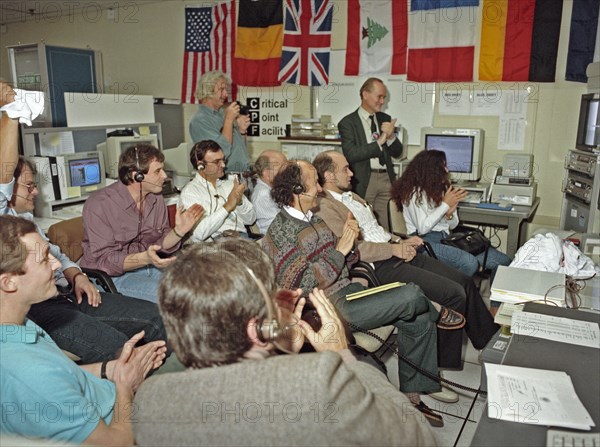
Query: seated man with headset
x=227, y=210
x=127, y=232
x=216, y=302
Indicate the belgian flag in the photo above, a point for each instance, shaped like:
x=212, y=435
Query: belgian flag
x=259, y=40
x=519, y=40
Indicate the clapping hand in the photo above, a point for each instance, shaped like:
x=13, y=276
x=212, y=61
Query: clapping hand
x=134, y=364
x=331, y=336
x=349, y=235
x=186, y=219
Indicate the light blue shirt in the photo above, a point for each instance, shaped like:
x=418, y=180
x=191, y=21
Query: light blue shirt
x=6, y=191
x=43, y=393
x=206, y=124
x=265, y=207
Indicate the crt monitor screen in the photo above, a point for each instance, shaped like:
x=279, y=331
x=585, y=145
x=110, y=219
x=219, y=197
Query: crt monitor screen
x=458, y=150
x=85, y=172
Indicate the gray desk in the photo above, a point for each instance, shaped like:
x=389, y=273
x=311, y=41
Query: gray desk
x=581, y=363
x=512, y=220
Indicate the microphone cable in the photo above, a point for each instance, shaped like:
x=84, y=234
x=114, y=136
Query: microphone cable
x=414, y=366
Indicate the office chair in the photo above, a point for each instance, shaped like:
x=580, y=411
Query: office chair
x=68, y=234
x=363, y=343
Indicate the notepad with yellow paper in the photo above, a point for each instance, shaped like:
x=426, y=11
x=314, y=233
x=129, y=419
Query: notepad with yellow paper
x=371, y=291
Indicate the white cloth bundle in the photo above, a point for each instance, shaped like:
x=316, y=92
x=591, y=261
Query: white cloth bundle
x=549, y=253
x=26, y=106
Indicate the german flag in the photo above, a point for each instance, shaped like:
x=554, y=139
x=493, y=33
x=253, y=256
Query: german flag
x=519, y=40
x=259, y=40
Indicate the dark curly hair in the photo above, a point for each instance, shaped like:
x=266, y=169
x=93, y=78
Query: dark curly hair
x=285, y=181
x=425, y=176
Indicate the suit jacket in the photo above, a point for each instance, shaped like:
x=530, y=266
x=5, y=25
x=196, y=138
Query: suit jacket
x=335, y=213
x=305, y=399
x=359, y=151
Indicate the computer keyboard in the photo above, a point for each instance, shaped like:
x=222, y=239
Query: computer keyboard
x=68, y=212
x=472, y=197
x=560, y=438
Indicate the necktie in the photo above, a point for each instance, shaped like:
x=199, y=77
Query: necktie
x=374, y=130
x=373, y=125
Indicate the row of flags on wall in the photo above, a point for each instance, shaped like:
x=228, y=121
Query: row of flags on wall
x=268, y=42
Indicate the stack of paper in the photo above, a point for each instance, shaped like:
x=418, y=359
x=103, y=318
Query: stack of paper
x=564, y=330
x=515, y=285
x=534, y=396
x=505, y=313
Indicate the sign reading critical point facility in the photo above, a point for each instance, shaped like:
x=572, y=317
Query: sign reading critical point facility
x=270, y=109
x=265, y=116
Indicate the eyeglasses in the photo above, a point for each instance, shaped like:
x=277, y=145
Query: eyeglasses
x=217, y=162
x=30, y=186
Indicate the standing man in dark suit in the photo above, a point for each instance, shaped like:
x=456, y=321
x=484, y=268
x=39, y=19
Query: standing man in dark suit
x=368, y=142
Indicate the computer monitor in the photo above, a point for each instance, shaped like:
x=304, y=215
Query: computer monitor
x=115, y=146
x=177, y=163
x=463, y=149
x=588, y=129
x=83, y=170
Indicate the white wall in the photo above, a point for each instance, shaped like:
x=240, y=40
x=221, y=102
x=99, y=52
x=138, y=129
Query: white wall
x=142, y=52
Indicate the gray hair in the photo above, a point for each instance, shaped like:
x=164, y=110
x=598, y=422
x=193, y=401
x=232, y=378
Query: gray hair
x=206, y=84
x=207, y=297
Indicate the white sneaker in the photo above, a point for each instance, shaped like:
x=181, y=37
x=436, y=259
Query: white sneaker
x=447, y=395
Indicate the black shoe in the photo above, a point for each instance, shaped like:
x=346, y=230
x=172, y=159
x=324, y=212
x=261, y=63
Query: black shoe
x=450, y=319
x=434, y=419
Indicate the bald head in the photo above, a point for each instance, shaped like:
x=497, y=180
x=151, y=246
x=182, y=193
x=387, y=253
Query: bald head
x=268, y=164
x=334, y=171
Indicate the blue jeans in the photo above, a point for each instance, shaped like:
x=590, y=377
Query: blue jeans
x=141, y=283
x=462, y=260
x=96, y=334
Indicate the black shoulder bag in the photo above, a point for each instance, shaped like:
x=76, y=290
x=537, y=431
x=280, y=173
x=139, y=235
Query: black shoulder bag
x=469, y=239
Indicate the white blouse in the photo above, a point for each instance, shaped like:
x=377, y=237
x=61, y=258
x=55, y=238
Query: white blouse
x=421, y=218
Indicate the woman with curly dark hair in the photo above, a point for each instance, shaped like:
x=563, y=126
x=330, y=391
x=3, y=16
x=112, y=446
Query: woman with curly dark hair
x=429, y=202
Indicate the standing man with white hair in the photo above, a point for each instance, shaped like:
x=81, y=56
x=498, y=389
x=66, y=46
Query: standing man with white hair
x=214, y=121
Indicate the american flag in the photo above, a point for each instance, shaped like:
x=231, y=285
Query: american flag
x=306, y=42
x=209, y=33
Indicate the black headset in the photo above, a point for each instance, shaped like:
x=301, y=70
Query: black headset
x=139, y=175
x=200, y=166
x=298, y=187
x=268, y=328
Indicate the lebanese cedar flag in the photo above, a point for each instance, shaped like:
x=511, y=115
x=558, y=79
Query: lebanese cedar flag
x=441, y=40
x=519, y=40
x=376, y=39
x=209, y=37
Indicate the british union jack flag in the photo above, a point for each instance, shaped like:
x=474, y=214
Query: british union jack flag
x=306, y=42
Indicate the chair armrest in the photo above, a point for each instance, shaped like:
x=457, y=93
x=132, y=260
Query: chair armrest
x=253, y=233
x=364, y=270
x=103, y=280
x=400, y=235
x=429, y=249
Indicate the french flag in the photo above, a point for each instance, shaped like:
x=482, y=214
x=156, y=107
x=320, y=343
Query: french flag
x=441, y=40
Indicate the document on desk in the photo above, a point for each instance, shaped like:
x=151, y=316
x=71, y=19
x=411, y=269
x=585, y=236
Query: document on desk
x=518, y=285
x=564, y=330
x=534, y=396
